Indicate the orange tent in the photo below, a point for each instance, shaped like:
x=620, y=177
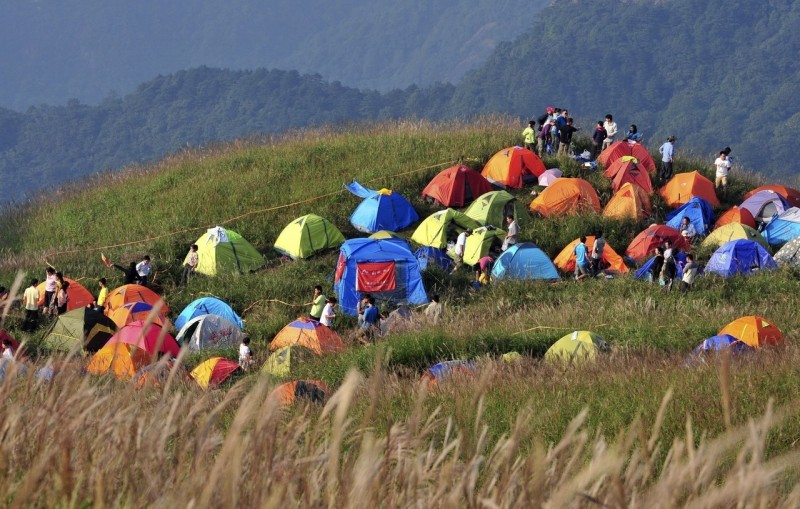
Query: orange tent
x=79, y=296
x=685, y=186
x=791, y=195
x=630, y=202
x=290, y=392
x=624, y=148
x=136, y=311
x=626, y=170
x=643, y=244
x=754, y=331
x=456, y=186
x=567, y=197
x=308, y=333
x=611, y=260
x=510, y=165
x=736, y=215
x=120, y=359
x=135, y=293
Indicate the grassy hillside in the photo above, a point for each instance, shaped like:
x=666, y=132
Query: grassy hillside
x=530, y=403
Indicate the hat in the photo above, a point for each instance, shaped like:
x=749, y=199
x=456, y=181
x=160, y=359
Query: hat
x=550, y=109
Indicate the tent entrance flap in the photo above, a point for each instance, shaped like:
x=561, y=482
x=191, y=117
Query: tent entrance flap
x=376, y=277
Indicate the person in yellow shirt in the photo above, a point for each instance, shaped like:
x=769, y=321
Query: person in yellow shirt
x=317, y=303
x=103, y=295
x=529, y=136
x=30, y=299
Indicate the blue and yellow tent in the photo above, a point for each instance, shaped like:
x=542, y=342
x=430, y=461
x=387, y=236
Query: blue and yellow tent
x=381, y=210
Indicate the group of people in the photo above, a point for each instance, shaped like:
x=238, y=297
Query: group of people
x=665, y=268
x=510, y=239
x=54, y=302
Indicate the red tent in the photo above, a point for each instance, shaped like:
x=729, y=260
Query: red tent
x=456, y=186
x=643, y=244
x=625, y=170
x=624, y=148
x=79, y=296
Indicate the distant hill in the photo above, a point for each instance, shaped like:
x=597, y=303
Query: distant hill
x=55, y=51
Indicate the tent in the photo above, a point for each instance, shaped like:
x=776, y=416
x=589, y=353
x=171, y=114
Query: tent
x=729, y=232
x=566, y=197
x=736, y=215
x=685, y=186
x=119, y=359
x=380, y=210
x=699, y=213
x=221, y=250
x=740, y=257
x=456, y=186
x=314, y=391
x=385, y=269
x=208, y=306
x=622, y=148
x=441, y=371
x=644, y=271
x=134, y=311
x=722, y=342
x=764, y=205
x=209, y=331
x=308, y=333
x=789, y=254
x=213, y=371
x=629, y=202
x=307, y=236
x=156, y=374
x=576, y=347
x=791, y=195
x=511, y=166
x=611, y=260
x=135, y=293
x=524, y=261
x=432, y=256
x=80, y=328
x=549, y=176
x=384, y=234
x=655, y=235
x=783, y=228
x=492, y=208
x=151, y=338
x=279, y=364
x=480, y=243
x=79, y=296
x=753, y=330
x=436, y=228
x=626, y=170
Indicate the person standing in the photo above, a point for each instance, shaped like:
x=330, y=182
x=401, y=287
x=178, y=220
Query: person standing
x=62, y=298
x=611, y=130
x=689, y=273
x=245, y=355
x=30, y=299
x=461, y=246
x=529, y=136
x=565, y=136
x=512, y=232
x=667, y=150
x=103, y=295
x=192, y=260
x=658, y=264
x=597, y=252
x=328, y=313
x=317, y=303
x=561, y=121
x=50, y=286
x=544, y=138
x=143, y=269
x=361, y=306
x=131, y=276
x=582, y=270
x=598, y=137
x=723, y=166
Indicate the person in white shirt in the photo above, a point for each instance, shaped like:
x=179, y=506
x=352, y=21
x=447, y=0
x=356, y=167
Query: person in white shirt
x=328, y=313
x=434, y=309
x=723, y=165
x=688, y=231
x=667, y=150
x=461, y=246
x=8, y=350
x=245, y=355
x=143, y=269
x=511, y=233
x=611, y=130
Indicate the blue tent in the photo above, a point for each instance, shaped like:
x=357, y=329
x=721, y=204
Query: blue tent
x=381, y=210
x=740, y=257
x=524, y=261
x=644, y=270
x=384, y=268
x=783, y=228
x=722, y=342
x=208, y=306
x=698, y=211
x=433, y=256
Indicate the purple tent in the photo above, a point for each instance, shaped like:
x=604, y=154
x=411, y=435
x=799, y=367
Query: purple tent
x=764, y=205
x=549, y=176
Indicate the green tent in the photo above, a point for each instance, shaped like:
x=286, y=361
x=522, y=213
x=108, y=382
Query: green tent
x=492, y=207
x=281, y=362
x=480, y=243
x=222, y=250
x=308, y=235
x=576, y=347
x=433, y=231
x=80, y=328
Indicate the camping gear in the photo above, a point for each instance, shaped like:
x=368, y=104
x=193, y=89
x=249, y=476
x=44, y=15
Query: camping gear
x=221, y=250
x=209, y=331
x=385, y=269
x=653, y=236
x=629, y=202
x=611, y=261
x=699, y=213
x=135, y=293
x=80, y=328
x=78, y=295
x=480, y=243
x=136, y=311
x=622, y=148
x=565, y=197
x=736, y=214
x=685, y=186
x=436, y=228
x=524, y=261
x=213, y=371
x=280, y=362
x=732, y=231
x=549, y=176
x=765, y=205
x=308, y=333
x=511, y=166
x=740, y=257
x=431, y=256
x=380, y=210
x=119, y=359
x=208, y=306
x=306, y=236
x=792, y=196
x=625, y=170
x=754, y=331
x=723, y=342
x=576, y=348
x=783, y=228
x=152, y=339
x=789, y=254
x=493, y=207
x=438, y=373
x=314, y=391
x=456, y=186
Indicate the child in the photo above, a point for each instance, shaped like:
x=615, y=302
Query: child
x=143, y=269
x=8, y=351
x=192, y=260
x=50, y=286
x=245, y=355
x=327, y=312
x=103, y=295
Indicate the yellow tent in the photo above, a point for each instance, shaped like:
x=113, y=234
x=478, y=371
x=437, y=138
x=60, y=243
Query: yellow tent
x=480, y=242
x=434, y=229
x=384, y=234
x=732, y=231
x=576, y=347
x=120, y=359
x=220, y=249
x=629, y=202
x=308, y=235
x=280, y=363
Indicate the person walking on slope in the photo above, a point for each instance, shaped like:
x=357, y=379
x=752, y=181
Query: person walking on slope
x=689, y=273
x=667, y=150
x=598, y=137
x=192, y=260
x=143, y=269
x=529, y=136
x=611, y=131
x=597, y=252
x=723, y=166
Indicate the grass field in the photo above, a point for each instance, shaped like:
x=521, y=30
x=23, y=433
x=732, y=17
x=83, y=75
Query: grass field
x=643, y=426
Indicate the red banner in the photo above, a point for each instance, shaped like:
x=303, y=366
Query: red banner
x=375, y=277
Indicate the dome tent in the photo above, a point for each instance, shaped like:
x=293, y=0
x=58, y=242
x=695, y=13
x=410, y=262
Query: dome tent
x=213, y=371
x=684, y=186
x=308, y=333
x=576, y=347
x=434, y=230
x=511, y=166
x=623, y=148
x=456, y=186
x=493, y=207
x=732, y=231
x=699, y=213
x=736, y=214
x=79, y=296
x=764, y=205
x=524, y=261
x=611, y=261
x=630, y=202
x=754, y=330
x=80, y=328
x=791, y=195
x=135, y=293
x=221, y=250
x=740, y=257
x=789, y=254
x=433, y=257
x=653, y=236
x=306, y=236
x=208, y=306
x=565, y=197
x=380, y=210
x=209, y=331
x=783, y=228
x=480, y=243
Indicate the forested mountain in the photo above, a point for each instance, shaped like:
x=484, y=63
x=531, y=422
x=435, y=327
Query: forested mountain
x=54, y=51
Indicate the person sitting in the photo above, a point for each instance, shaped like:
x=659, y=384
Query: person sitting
x=633, y=134
x=688, y=231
